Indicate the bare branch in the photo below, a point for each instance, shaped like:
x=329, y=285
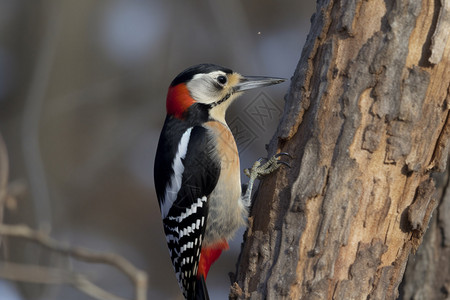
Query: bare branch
x=4, y=170
x=34, y=102
x=138, y=277
x=48, y=275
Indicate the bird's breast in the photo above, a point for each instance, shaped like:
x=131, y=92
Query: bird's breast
x=226, y=148
x=226, y=197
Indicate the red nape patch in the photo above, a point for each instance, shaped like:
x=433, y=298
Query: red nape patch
x=178, y=100
x=209, y=255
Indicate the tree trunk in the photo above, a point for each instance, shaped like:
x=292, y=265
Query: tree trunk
x=427, y=275
x=366, y=119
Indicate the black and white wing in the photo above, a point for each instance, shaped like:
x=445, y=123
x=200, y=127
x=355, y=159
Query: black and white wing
x=183, y=198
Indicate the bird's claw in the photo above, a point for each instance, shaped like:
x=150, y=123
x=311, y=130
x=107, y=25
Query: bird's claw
x=283, y=153
x=258, y=170
x=284, y=163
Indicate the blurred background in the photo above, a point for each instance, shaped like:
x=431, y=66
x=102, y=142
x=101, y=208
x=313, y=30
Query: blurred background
x=82, y=101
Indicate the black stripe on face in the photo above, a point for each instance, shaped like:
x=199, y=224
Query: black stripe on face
x=227, y=96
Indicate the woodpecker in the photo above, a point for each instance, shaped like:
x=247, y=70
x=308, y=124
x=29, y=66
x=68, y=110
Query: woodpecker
x=197, y=171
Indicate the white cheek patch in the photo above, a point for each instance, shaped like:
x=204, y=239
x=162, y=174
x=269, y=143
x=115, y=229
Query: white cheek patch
x=203, y=87
x=175, y=180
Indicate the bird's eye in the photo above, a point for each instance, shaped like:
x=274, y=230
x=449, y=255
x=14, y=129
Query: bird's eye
x=222, y=79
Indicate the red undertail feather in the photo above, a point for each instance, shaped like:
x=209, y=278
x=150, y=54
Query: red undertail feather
x=178, y=100
x=209, y=255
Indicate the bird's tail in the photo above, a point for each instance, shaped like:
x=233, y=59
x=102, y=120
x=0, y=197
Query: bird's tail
x=201, y=292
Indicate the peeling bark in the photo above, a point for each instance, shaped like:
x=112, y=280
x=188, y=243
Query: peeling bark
x=430, y=266
x=366, y=119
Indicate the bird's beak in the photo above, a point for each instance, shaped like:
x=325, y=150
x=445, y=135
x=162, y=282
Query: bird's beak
x=251, y=82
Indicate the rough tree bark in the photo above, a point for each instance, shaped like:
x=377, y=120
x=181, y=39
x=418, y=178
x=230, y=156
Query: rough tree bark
x=427, y=274
x=367, y=121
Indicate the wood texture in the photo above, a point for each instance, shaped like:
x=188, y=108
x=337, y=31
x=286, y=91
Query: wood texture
x=366, y=119
x=427, y=274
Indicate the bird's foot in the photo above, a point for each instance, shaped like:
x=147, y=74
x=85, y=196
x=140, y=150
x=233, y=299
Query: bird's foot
x=259, y=170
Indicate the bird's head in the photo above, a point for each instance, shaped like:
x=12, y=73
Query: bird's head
x=212, y=87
